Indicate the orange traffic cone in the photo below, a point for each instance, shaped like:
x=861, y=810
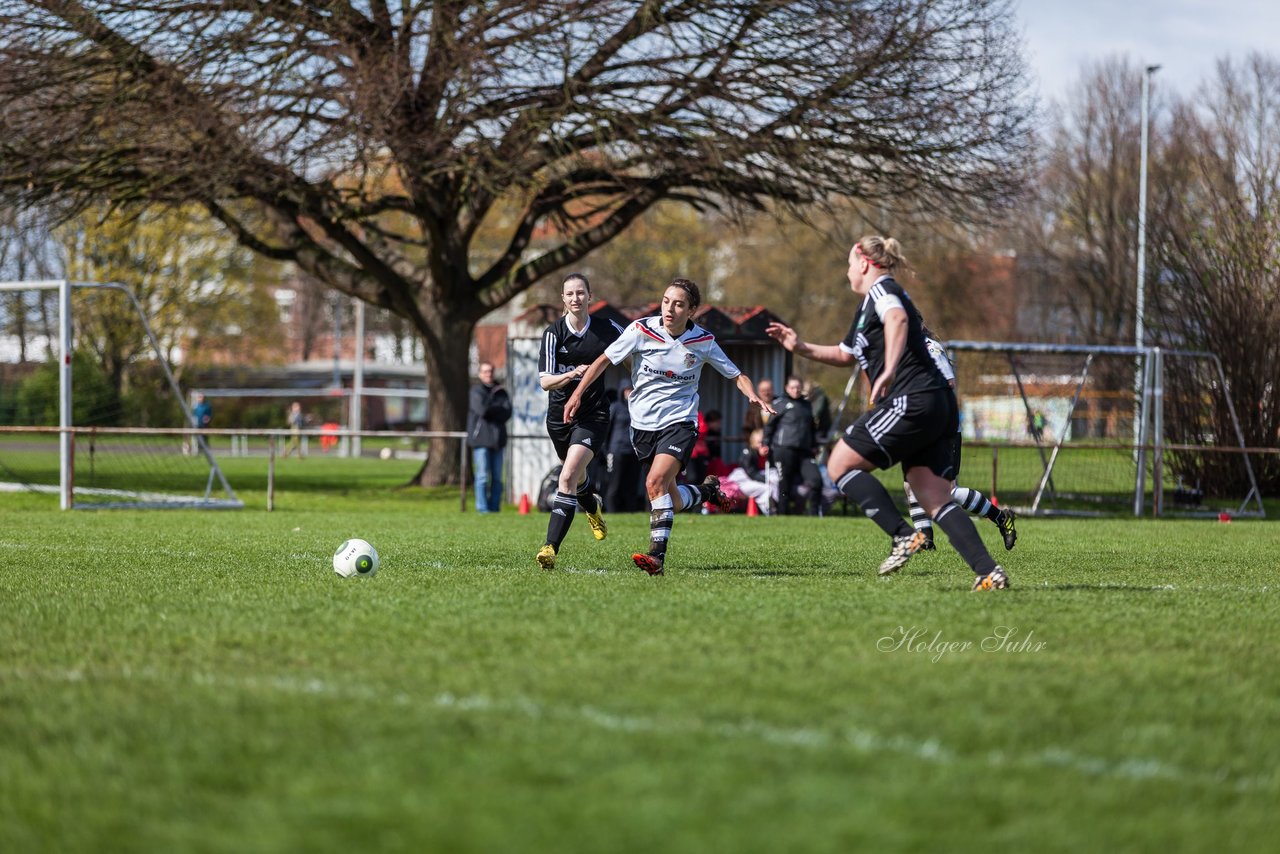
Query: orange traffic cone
x=524, y=504
x=752, y=508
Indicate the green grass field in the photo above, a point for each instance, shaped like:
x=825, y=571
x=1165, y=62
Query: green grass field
x=183, y=681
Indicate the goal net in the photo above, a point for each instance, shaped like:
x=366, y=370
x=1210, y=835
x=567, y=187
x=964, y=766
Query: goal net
x=89, y=407
x=1102, y=430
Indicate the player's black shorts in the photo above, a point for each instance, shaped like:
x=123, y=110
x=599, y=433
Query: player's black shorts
x=916, y=429
x=676, y=441
x=589, y=434
x=957, y=443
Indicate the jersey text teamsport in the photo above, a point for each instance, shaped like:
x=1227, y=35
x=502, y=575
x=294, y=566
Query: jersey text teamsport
x=562, y=351
x=665, y=371
x=865, y=341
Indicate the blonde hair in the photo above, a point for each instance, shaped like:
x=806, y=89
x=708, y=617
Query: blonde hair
x=883, y=252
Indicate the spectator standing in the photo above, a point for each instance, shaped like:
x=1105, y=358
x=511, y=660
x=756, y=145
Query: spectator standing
x=755, y=417
x=821, y=406
x=295, y=420
x=488, y=412
x=789, y=442
x=202, y=412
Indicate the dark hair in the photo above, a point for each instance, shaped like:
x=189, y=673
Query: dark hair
x=569, y=278
x=712, y=415
x=695, y=295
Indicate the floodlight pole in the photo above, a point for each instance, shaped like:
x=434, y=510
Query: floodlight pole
x=1139, y=324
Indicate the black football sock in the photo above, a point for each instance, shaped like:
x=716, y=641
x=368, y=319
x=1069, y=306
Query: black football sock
x=562, y=510
x=869, y=494
x=964, y=536
x=587, y=498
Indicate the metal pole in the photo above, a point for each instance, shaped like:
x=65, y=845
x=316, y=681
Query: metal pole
x=337, y=361
x=1139, y=320
x=1157, y=430
x=1140, y=449
x=64, y=403
x=357, y=381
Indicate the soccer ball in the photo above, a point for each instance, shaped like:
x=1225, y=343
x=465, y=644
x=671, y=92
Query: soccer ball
x=386, y=453
x=355, y=558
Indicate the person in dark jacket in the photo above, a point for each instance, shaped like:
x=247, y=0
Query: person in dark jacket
x=622, y=494
x=488, y=412
x=789, y=442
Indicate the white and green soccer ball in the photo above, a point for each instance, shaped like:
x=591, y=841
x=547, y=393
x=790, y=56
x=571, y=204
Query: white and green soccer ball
x=355, y=558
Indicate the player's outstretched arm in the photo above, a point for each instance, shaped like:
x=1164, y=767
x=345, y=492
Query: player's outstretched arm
x=827, y=354
x=748, y=389
x=554, y=381
x=593, y=373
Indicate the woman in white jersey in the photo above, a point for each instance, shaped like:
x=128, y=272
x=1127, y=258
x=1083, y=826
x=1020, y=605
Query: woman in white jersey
x=669, y=351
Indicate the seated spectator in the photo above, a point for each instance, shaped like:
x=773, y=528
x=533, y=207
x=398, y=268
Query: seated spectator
x=755, y=477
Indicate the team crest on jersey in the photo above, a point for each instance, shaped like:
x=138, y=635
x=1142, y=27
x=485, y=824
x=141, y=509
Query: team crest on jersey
x=690, y=360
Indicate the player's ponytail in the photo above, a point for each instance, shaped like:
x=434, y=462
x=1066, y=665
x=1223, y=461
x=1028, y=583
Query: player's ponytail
x=884, y=253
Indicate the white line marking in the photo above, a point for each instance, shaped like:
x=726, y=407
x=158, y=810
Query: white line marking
x=861, y=740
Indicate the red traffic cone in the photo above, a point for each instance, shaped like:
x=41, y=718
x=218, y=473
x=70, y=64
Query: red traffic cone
x=752, y=509
x=524, y=504
x=1224, y=516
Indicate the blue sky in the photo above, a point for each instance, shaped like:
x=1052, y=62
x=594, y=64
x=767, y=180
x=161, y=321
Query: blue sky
x=1184, y=37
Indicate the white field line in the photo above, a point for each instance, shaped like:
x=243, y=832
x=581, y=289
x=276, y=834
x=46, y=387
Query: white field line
x=1132, y=768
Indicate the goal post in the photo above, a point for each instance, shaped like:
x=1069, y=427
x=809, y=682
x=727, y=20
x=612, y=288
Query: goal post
x=1088, y=430
x=203, y=483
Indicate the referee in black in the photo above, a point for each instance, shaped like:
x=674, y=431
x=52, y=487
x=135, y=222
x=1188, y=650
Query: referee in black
x=913, y=418
x=569, y=346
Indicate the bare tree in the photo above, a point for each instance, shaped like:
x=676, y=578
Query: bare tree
x=1081, y=238
x=1218, y=281
x=368, y=143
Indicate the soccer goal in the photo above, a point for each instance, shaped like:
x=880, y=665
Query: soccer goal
x=82, y=356
x=1085, y=430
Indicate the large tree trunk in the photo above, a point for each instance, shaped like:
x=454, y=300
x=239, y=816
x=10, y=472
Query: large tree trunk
x=447, y=349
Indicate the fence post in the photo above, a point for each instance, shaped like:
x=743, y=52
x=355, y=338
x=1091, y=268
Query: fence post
x=462, y=469
x=995, y=467
x=271, y=474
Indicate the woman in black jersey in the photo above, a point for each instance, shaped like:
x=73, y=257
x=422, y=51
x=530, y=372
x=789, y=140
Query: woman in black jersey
x=913, y=417
x=569, y=346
